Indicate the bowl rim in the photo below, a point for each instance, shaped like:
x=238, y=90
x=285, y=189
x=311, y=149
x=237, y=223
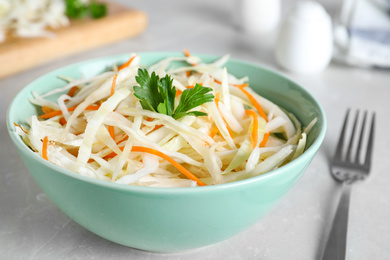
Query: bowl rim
x=22, y=147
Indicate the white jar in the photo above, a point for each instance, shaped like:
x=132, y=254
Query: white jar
x=305, y=40
x=259, y=16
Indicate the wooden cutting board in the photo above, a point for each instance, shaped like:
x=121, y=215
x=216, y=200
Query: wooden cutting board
x=18, y=54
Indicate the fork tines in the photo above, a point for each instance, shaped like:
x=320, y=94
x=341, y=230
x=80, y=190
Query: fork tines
x=347, y=152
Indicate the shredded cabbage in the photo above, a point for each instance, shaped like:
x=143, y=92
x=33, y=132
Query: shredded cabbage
x=31, y=18
x=98, y=142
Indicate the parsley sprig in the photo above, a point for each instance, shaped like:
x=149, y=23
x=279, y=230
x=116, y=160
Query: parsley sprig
x=78, y=9
x=158, y=95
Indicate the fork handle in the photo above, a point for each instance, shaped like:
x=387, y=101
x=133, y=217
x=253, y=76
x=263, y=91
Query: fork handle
x=337, y=241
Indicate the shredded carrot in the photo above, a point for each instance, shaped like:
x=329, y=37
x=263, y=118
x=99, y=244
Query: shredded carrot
x=72, y=91
x=231, y=84
x=241, y=85
x=217, y=81
x=44, y=148
x=156, y=127
x=213, y=132
x=109, y=156
x=178, y=92
x=70, y=109
x=113, y=85
x=62, y=121
x=254, y=102
x=15, y=124
x=169, y=159
x=111, y=131
x=46, y=109
x=121, y=138
x=149, y=119
x=186, y=53
x=255, y=126
x=216, y=100
x=265, y=139
x=165, y=157
x=230, y=131
x=124, y=65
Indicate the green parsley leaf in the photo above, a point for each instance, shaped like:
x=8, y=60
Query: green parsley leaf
x=191, y=98
x=158, y=95
x=148, y=92
x=168, y=94
x=78, y=9
x=97, y=10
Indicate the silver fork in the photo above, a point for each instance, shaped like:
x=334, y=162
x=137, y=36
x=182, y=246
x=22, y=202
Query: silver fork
x=348, y=169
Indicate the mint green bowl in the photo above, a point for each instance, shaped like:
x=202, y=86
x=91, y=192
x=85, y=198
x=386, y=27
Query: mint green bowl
x=169, y=219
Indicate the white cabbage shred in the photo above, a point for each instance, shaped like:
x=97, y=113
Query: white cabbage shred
x=80, y=140
x=31, y=18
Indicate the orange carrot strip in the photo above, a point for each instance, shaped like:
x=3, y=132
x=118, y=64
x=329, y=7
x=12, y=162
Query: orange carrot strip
x=149, y=119
x=156, y=127
x=111, y=131
x=124, y=65
x=109, y=156
x=255, y=126
x=178, y=92
x=217, y=81
x=165, y=157
x=113, y=154
x=265, y=139
x=72, y=91
x=254, y=102
x=231, y=84
x=44, y=148
x=229, y=130
x=70, y=109
x=113, y=85
x=122, y=138
x=46, y=109
x=213, y=132
x=15, y=124
x=62, y=121
x=216, y=100
x=169, y=159
x=186, y=53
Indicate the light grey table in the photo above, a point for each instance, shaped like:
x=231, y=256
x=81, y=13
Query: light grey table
x=32, y=227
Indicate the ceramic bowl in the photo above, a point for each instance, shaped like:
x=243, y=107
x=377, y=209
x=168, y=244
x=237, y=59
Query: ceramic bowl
x=169, y=219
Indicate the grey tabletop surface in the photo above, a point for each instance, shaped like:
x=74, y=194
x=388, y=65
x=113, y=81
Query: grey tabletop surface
x=32, y=227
